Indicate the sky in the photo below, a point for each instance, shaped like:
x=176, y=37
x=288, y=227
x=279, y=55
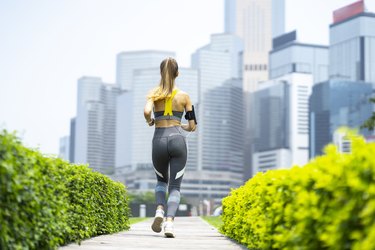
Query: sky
x=45, y=46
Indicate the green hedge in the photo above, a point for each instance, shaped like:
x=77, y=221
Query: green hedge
x=327, y=204
x=46, y=202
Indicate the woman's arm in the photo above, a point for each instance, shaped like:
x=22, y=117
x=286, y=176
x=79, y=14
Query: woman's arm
x=147, y=112
x=191, y=126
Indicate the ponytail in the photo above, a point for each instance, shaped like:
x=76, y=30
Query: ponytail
x=168, y=72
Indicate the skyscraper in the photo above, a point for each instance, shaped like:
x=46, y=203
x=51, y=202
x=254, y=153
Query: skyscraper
x=256, y=22
x=290, y=62
x=288, y=56
x=127, y=62
x=344, y=99
x=64, y=149
x=95, y=124
x=352, y=44
x=337, y=103
x=220, y=139
x=280, y=113
x=72, y=139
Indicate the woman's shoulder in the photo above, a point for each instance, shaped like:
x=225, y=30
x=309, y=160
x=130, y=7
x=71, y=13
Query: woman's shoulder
x=183, y=93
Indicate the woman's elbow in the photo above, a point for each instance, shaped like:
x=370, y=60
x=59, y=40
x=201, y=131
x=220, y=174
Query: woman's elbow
x=147, y=113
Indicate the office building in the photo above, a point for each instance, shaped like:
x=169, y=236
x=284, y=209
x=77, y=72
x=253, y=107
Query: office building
x=290, y=56
x=336, y=103
x=95, y=124
x=72, y=139
x=64, y=148
x=220, y=159
x=295, y=61
x=256, y=22
x=128, y=61
x=280, y=113
x=352, y=44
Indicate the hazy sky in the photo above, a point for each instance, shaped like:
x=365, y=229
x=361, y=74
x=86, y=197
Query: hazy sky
x=45, y=46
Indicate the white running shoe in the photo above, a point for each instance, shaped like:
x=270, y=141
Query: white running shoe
x=158, y=220
x=168, y=229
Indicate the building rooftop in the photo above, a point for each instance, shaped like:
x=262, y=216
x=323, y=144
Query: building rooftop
x=350, y=12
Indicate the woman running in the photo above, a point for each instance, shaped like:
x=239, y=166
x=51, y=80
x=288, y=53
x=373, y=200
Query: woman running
x=169, y=150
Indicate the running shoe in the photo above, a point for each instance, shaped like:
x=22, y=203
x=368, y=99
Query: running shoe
x=168, y=229
x=158, y=220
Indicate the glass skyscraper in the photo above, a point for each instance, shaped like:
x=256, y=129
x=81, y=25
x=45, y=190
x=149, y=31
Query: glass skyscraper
x=127, y=62
x=64, y=149
x=337, y=103
x=279, y=109
x=95, y=124
x=256, y=22
x=344, y=99
x=220, y=117
x=352, y=44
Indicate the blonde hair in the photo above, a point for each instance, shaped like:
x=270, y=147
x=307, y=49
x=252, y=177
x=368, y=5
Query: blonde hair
x=168, y=72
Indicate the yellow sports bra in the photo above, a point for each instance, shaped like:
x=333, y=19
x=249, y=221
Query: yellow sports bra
x=168, y=113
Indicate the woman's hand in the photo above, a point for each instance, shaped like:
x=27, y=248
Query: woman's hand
x=152, y=122
x=187, y=127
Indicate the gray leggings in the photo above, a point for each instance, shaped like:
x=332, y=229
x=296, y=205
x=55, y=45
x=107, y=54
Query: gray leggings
x=169, y=154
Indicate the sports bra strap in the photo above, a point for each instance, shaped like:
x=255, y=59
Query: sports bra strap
x=168, y=103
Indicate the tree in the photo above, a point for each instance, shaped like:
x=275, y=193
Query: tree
x=370, y=123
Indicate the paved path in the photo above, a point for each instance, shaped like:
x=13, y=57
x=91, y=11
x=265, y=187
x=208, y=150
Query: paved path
x=191, y=233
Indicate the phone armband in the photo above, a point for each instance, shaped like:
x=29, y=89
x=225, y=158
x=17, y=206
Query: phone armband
x=190, y=115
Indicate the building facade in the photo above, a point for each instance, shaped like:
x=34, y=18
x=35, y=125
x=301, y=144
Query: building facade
x=64, y=148
x=352, y=44
x=280, y=114
x=293, y=63
x=256, y=22
x=337, y=103
x=72, y=139
x=289, y=56
x=128, y=61
x=220, y=139
x=95, y=124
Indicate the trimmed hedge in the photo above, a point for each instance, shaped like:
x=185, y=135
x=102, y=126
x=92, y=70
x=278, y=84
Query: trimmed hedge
x=327, y=204
x=46, y=202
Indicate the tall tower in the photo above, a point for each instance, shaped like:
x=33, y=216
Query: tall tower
x=352, y=43
x=95, y=124
x=343, y=100
x=220, y=99
x=280, y=113
x=256, y=22
x=128, y=61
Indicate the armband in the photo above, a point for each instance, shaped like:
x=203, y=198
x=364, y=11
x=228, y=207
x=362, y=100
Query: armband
x=190, y=115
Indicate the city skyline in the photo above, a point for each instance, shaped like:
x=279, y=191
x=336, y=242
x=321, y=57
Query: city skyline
x=38, y=77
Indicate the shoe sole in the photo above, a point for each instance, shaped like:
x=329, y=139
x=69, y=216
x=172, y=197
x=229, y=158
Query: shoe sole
x=156, y=225
x=169, y=235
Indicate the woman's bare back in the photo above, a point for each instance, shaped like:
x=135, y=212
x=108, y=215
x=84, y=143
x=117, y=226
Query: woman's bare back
x=178, y=104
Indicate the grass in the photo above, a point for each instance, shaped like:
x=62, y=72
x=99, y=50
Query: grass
x=213, y=220
x=134, y=220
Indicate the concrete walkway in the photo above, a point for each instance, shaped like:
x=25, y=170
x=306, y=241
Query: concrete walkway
x=191, y=233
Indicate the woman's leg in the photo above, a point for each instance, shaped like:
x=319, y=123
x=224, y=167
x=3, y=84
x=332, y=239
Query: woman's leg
x=178, y=152
x=160, y=159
